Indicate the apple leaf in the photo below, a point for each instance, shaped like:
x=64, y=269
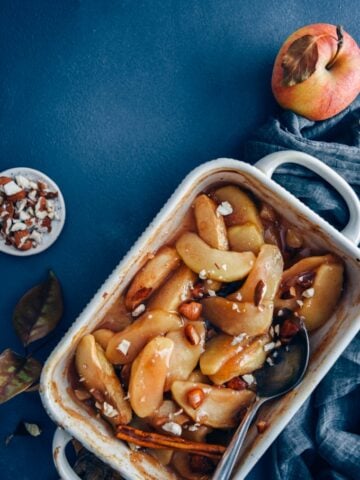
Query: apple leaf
x=300, y=60
x=39, y=310
x=16, y=374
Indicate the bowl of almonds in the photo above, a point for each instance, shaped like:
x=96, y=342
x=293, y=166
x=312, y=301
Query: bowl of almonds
x=32, y=211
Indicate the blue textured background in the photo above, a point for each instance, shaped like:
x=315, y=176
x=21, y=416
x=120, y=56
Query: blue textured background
x=117, y=101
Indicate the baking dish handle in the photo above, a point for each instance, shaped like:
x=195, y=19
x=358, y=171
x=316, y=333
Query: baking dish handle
x=60, y=440
x=271, y=162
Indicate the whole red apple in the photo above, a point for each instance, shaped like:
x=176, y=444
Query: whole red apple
x=317, y=71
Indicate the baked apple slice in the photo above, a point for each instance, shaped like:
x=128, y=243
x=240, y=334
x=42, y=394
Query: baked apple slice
x=188, y=346
x=220, y=407
x=219, y=350
x=212, y=263
x=245, y=238
x=148, y=375
x=124, y=346
x=102, y=336
x=210, y=225
x=151, y=276
x=100, y=379
x=235, y=318
x=267, y=271
x=244, y=208
x=324, y=295
x=247, y=360
x=175, y=291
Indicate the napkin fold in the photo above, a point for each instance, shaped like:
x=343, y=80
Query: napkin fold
x=322, y=441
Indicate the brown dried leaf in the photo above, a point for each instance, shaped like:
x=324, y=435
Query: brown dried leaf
x=39, y=310
x=300, y=60
x=16, y=374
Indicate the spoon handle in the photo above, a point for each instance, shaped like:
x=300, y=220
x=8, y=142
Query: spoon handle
x=231, y=454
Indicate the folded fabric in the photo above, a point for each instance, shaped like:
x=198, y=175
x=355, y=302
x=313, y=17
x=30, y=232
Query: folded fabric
x=322, y=441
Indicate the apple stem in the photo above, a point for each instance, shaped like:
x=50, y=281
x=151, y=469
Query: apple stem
x=340, y=43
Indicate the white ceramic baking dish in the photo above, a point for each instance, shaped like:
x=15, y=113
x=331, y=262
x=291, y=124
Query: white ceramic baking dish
x=326, y=344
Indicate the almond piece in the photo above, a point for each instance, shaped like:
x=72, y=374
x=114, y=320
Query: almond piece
x=195, y=397
x=191, y=310
x=192, y=335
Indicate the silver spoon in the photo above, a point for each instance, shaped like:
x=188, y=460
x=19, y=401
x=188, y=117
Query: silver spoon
x=272, y=381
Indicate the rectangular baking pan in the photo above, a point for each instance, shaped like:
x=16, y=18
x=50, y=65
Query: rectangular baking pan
x=327, y=344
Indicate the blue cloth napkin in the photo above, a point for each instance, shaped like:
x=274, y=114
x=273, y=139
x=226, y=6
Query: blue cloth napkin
x=322, y=441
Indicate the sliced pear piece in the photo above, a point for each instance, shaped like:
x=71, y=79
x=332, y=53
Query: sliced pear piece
x=235, y=318
x=268, y=268
x=244, y=208
x=100, y=380
x=220, y=408
x=103, y=336
x=245, y=238
x=210, y=224
x=250, y=358
x=148, y=375
x=219, y=350
x=185, y=356
x=215, y=264
x=151, y=276
x=175, y=291
x=125, y=346
x=327, y=288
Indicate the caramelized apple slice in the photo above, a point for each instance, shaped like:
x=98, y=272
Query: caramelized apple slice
x=186, y=352
x=148, y=375
x=245, y=238
x=235, y=318
x=250, y=358
x=210, y=225
x=175, y=291
x=100, y=380
x=219, y=350
x=220, y=407
x=124, y=346
x=268, y=269
x=102, y=337
x=213, y=263
x=244, y=208
x=167, y=412
x=198, y=376
x=327, y=288
x=307, y=264
x=151, y=276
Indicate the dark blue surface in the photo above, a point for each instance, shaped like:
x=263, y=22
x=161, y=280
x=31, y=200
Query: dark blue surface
x=117, y=101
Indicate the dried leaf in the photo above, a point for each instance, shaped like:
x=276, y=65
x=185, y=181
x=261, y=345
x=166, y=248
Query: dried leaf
x=39, y=310
x=89, y=467
x=300, y=60
x=16, y=374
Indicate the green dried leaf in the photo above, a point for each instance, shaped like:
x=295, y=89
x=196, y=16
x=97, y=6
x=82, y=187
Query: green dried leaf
x=89, y=467
x=300, y=60
x=39, y=310
x=16, y=374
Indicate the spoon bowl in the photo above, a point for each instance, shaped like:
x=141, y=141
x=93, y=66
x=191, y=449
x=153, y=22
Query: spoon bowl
x=282, y=373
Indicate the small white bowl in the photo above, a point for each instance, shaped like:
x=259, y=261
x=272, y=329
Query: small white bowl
x=49, y=238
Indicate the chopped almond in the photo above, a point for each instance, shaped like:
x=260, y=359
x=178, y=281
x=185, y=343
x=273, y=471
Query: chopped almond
x=191, y=310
